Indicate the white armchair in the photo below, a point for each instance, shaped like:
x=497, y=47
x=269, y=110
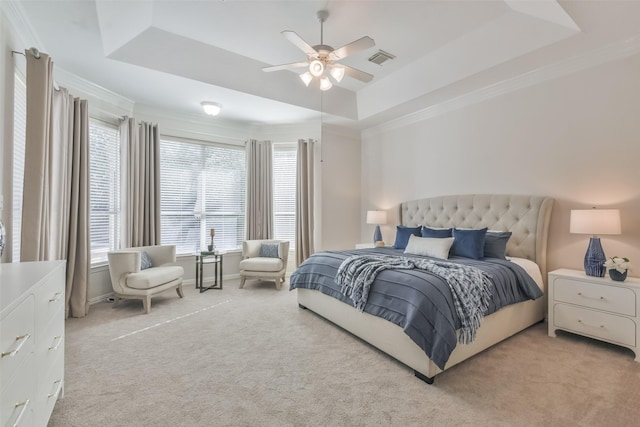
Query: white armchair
x=130, y=281
x=273, y=266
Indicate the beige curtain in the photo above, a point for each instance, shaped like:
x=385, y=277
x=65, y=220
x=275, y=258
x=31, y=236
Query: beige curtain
x=304, y=200
x=259, y=217
x=141, y=195
x=55, y=212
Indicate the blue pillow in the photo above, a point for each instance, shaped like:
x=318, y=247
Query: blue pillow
x=145, y=261
x=468, y=243
x=402, y=236
x=495, y=244
x=435, y=232
x=269, y=250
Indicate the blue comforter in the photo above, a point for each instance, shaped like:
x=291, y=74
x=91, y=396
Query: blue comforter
x=418, y=301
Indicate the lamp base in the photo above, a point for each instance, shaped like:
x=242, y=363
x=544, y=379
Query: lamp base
x=594, y=259
x=377, y=235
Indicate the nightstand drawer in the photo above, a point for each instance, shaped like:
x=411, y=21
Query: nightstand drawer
x=603, y=297
x=605, y=326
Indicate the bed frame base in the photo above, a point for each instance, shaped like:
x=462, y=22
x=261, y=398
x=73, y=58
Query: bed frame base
x=392, y=340
x=424, y=378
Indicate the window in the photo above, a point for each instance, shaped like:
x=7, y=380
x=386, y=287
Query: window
x=284, y=192
x=104, y=159
x=19, y=131
x=202, y=187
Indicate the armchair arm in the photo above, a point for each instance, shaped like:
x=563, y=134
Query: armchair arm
x=283, y=251
x=122, y=263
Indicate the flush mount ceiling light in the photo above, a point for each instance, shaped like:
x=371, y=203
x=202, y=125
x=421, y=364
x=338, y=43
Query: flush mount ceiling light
x=211, y=108
x=322, y=60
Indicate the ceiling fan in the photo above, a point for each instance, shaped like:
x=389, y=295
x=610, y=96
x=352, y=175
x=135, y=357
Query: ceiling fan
x=323, y=58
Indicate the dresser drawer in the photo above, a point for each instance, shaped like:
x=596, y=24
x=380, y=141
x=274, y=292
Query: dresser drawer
x=608, y=327
x=50, y=385
x=50, y=300
x=603, y=297
x=17, y=397
x=17, y=337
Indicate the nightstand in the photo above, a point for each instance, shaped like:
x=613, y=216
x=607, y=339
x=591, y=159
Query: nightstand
x=596, y=307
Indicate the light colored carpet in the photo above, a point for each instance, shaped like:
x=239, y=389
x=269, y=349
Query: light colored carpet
x=251, y=357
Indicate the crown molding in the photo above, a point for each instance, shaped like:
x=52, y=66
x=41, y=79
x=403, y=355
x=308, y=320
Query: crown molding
x=23, y=31
x=599, y=56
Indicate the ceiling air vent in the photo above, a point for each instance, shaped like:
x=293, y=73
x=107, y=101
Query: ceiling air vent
x=380, y=57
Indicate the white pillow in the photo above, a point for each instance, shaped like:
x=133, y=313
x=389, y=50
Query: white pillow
x=429, y=246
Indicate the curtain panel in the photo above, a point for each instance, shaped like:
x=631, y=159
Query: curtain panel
x=55, y=211
x=141, y=196
x=304, y=200
x=259, y=216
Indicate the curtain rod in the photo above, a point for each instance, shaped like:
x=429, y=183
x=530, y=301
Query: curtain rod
x=32, y=50
x=36, y=54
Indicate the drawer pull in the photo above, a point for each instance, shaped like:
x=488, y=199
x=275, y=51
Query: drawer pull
x=22, y=411
x=590, y=326
x=56, y=342
x=56, y=297
x=590, y=297
x=58, y=388
x=22, y=339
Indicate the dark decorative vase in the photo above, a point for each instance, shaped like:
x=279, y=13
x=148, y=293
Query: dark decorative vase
x=594, y=259
x=617, y=276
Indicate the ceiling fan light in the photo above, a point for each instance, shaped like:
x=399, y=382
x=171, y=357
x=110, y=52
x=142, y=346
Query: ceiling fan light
x=337, y=73
x=325, y=83
x=316, y=68
x=306, y=78
x=211, y=108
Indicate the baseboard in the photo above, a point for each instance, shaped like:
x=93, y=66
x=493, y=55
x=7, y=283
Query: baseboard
x=188, y=282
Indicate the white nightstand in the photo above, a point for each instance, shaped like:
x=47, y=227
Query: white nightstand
x=595, y=307
x=365, y=245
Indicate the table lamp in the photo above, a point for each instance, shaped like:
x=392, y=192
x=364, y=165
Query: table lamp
x=595, y=222
x=378, y=218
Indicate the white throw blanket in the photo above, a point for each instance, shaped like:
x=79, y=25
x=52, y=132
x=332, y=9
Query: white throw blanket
x=469, y=285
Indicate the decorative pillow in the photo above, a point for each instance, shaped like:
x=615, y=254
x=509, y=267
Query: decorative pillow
x=468, y=243
x=145, y=261
x=495, y=244
x=402, y=236
x=435, y=232
x=436, y=247
x=269, y=250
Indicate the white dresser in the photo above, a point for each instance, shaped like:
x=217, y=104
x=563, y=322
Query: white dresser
x=31, y=341
x=595, y=307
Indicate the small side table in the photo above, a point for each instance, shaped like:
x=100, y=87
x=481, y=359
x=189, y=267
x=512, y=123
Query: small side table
x=206, y=257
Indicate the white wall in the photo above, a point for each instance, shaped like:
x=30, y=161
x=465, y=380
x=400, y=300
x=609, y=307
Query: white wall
x=575, y=138
x=339, y=166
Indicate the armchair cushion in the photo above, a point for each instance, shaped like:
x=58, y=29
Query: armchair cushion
x=152, y=277
x=262, y=264
x=145, y=261
x=269, y=250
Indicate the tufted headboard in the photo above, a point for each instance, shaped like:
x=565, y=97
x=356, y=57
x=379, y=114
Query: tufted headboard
x=527, y=217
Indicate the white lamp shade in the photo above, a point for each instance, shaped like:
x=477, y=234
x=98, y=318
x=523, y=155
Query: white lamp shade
x=376, y=217
x=337, y=72
x=595, y=221
x=306, y=78
x=325, y=84
x=316, y=68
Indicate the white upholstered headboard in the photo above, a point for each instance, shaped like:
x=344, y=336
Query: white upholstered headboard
x=527, y=217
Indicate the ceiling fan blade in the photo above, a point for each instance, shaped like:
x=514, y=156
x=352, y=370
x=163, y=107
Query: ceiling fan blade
x=361, y=44
x=294, y=38
x=357, y=74
x=286, y=66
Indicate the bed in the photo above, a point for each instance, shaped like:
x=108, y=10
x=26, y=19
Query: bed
x=527, y=217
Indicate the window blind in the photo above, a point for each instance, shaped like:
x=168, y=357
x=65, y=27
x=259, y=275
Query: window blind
x=104, y=159
x=284, y=192
x=19, y=137
x=202, y=187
